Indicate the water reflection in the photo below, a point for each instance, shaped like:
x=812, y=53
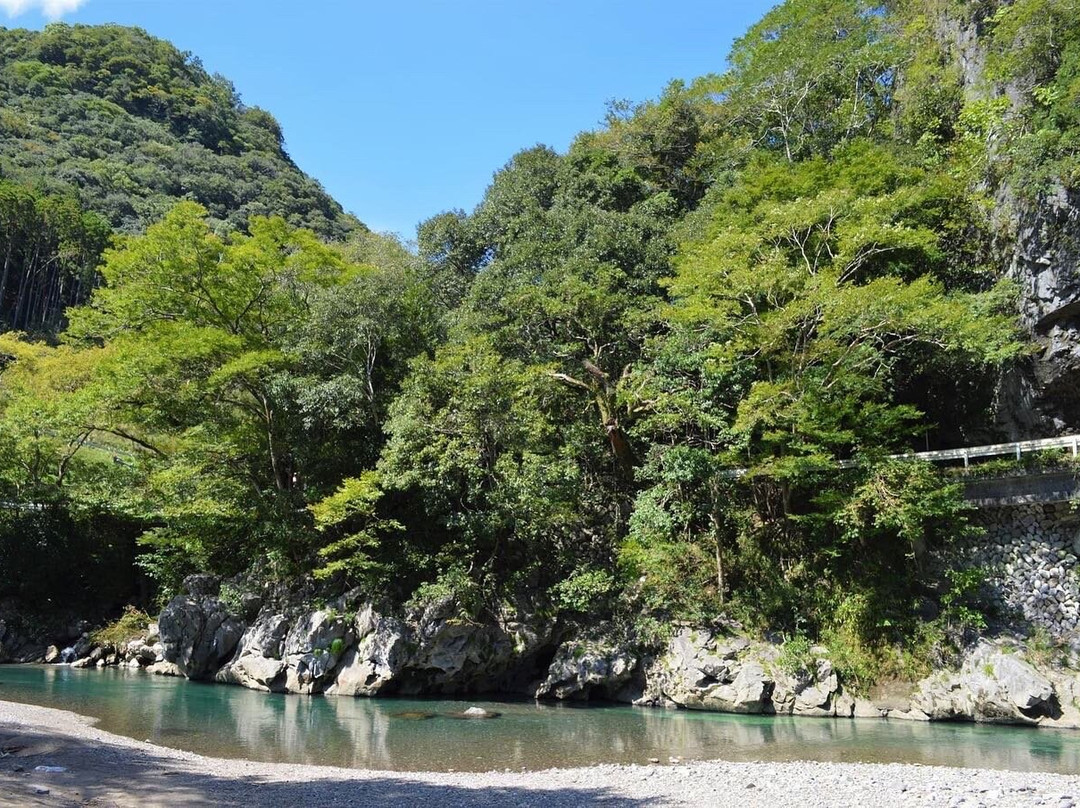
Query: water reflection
x=366, y=733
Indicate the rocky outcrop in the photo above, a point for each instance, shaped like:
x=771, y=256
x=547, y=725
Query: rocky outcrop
x=702, y=671
x=259, y=662
x=1044, y=398
x=351, y=648
x=28, y=638
x=992, y=686
x=448, y=654
x=381, y=651
x=583, y=669
x=198, y=631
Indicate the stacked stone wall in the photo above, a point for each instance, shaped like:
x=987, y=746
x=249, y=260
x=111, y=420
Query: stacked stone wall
x=1031, y=554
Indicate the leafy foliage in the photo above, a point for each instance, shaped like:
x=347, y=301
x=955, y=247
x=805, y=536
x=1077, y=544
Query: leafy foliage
x=656, y=377
x=129, y=124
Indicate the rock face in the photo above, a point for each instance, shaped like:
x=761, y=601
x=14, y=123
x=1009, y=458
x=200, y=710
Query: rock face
x=583, y=669
x=259, y=662
x=992, y=687
x=1045, y=398
x=293, y=649
x=380, y=653
x=198, y=632
x=701, y=671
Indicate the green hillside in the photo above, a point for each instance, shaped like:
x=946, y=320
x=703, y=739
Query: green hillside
x=129, y=125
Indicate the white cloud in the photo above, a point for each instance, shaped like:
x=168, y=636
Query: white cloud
x=50, y=8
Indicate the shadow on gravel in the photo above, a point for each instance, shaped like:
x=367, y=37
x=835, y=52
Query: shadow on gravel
x=104, y=774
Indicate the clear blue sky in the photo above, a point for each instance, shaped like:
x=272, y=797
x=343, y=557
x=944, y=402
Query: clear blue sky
x=404, y=109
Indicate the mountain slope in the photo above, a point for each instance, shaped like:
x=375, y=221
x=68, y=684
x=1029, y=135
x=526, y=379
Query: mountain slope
x=130, y=124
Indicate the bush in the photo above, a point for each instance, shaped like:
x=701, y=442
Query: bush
x=132, y=623
x=584, y=591
x=796, y=655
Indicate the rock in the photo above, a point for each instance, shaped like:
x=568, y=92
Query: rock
x=312, y=648
x=138, y=652
x=581, y=669
x=690, y=675
x=199, y=586
x=749, y=693
x=413, y=715
x=197, y=632
x=477, y=712
x=867, y=709
x=52, y=655
x=165, y=669
x=253, y=672
x=377, y=658
x=990, y=687
x=448, y=654
x=258, y=663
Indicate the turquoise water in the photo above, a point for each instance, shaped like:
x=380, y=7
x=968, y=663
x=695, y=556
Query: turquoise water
x=373, y=734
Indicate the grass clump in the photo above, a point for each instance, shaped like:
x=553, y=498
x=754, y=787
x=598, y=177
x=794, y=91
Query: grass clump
x=132, y=623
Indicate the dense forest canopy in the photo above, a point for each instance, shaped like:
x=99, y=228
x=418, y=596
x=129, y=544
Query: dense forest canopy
x=771, y=269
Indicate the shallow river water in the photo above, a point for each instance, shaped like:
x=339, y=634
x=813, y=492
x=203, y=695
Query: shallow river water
x=392, y=734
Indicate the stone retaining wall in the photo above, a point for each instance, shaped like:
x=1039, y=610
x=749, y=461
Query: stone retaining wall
x=1031, y=555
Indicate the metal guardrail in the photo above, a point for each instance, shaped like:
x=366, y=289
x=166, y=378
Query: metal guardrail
x=1016, y=448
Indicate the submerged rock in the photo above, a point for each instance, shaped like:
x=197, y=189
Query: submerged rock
x=476, y=712
x=413, y=715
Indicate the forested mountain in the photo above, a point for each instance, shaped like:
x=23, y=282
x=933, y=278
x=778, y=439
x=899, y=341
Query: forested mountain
x=804, y=260
x=129, y=125
x=105, y=126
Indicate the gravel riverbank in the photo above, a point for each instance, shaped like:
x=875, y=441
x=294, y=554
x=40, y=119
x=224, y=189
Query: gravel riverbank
x=102, y=769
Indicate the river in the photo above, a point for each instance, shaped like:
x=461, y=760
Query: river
x=423, y=734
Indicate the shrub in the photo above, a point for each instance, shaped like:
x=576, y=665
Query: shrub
x=796, y=656
x=130, y=625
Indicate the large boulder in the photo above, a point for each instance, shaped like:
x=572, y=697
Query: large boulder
x=700, y=671
x=813, y=693
x=992, y=686
x=581, y=669
x=450, y=654
x=259, y=663
x=198, y=634
x=372, y=665
x=313, y=648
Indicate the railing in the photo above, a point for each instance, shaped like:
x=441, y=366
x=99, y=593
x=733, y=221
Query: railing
x=1016, y=448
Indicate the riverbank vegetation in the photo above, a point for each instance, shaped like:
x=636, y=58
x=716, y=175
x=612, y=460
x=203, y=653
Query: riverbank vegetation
x=618, y=389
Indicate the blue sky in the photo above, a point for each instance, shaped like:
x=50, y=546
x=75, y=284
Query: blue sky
x=404, y=109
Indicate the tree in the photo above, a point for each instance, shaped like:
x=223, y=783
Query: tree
x=796, y=328
x=812, y=75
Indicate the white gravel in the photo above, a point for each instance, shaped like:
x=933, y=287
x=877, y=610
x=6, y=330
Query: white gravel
x=102, y=769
